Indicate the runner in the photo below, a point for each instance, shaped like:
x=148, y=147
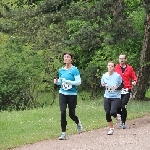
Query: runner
x=112, y=82
x=69, y=78
x=127, y=73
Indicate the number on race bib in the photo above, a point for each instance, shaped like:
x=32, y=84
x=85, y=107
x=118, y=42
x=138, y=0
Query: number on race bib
x=124, y=91
x=110, y=89
x=66, y=86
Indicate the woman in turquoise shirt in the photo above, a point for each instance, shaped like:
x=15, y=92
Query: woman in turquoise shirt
x=69, y=79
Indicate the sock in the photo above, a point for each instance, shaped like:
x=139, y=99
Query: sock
x=111, y=128
x=63, y=132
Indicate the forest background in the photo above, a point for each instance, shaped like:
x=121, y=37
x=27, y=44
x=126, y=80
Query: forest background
x=35, y=33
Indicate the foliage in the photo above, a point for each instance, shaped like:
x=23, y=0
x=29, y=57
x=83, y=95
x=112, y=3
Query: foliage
x=97, y=36
x=20, y=75
x=94, y=31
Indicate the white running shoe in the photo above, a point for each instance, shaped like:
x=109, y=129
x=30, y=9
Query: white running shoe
x=79, y=127
x=62, y=136
x=118, y=121
x=111, y=131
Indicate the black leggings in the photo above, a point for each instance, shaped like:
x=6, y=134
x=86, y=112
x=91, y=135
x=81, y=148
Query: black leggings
x=123, y=109
x=71, y=100
x=111, y=105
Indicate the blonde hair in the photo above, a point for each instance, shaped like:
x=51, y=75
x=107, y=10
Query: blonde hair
x=112, y=62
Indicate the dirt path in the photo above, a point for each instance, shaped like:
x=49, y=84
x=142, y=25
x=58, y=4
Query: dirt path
x=135, y=137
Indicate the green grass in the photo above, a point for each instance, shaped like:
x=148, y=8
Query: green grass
x=148, y=93
x=23, y=127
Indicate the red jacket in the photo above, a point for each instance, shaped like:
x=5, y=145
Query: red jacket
x=127, y=76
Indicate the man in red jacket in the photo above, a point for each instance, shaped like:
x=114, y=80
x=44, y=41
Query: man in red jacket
x=129, y=78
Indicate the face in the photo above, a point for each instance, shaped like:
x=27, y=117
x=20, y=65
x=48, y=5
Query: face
x=122, y=59
x=110, y=67
x=67, y=59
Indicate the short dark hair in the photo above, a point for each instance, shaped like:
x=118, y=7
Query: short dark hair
x=68, y=54
x=124, y=55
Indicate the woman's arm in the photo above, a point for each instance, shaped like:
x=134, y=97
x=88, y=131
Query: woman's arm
x=76, y=82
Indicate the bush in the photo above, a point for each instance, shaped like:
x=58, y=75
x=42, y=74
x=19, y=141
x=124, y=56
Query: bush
x=20, y=75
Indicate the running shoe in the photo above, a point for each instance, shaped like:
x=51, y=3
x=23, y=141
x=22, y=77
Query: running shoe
x=124, y=126
x=62, y=136
x=111, y=131
x=118, y=120
x=79, y=127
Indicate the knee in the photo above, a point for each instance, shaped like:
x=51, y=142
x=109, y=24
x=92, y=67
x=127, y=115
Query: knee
x=63, y=113
x=113, y=113
x=108, y=117
x=71, y=114
x=124, y=108
x=124, y=104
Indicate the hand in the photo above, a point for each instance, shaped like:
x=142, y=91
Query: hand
x=103, y=84
x=64, y=80
x=115, y=88
x=133, y=82
x=55, y=81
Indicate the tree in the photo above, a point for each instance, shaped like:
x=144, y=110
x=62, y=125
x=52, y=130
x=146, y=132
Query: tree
x=94, y=31
x=20, y=76
x=144, y=71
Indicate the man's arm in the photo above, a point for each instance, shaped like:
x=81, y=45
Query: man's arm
x=133, y=77
x=120, y=86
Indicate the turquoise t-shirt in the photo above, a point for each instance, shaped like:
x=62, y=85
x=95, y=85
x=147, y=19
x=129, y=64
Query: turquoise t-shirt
x=69, y=79
x=110, y=82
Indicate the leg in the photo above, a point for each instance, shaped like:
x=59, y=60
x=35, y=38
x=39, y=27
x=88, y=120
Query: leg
x=124, y=103
x=119, y=110
x=72, y=102
x=115, y=104
x=119, y=107
x=63, y=106
x=107, y=108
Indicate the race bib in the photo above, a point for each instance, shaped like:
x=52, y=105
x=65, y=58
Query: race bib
x=124, y=91
x=110, y=89
x=66, y=86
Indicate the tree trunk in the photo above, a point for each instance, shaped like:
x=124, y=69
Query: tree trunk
x=117, y=7
x=144, y=71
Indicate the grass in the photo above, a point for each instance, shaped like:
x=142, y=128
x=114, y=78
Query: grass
x=148, y=93
x=23, y=127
